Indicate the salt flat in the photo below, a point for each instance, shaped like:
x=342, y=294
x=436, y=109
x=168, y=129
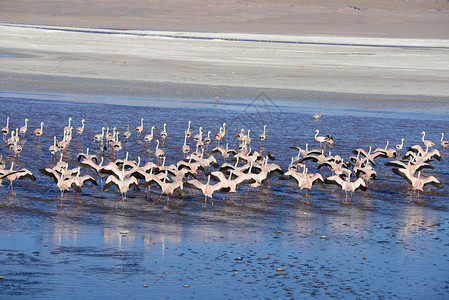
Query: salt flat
x=359, y=65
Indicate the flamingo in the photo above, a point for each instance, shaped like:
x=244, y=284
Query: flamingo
x=187, y=133
x=12, y=175
x=149, y=137
x=427, y=143
x=263, y=136
x=347, y=185
x=199, y=136
x=246, y=138
x=400, y=146
x=17, y=149
x=385, y=152
x=5, y=130
x=53, y=148
x=207, y=138
x=443, y=143
x=164, y=134
x=370, y=156
x=417, y=183
x=24, y=129
x=169, y=188
x=159, y=153
x=78, y=181
x=99, y=137
x=116, y=144
x=225, y=152
x=38, y=132
x=185, y=147
x=123, y=182
x=86, y=156
x=67, y=128
x=139, y=129
x=412, y=166
x=303, y=180
x=323, y=139
x=90, y=164
x=317, y=116
x=63, y=180
x=80, y=130
x=207, y=189
x=127, y=133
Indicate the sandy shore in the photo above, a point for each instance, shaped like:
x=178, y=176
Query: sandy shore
x=310, y=49
x=148, y=63
x=384, y=18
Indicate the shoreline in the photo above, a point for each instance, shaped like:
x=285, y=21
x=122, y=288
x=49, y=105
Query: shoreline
x=396, y=19
x=144, y=65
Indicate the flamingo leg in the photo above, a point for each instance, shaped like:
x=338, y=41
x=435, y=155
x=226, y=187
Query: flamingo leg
x=77, y=195
x=60, y=198
x=157, y=199
x=123, y=200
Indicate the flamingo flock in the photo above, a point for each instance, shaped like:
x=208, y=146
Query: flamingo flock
x=199, y=168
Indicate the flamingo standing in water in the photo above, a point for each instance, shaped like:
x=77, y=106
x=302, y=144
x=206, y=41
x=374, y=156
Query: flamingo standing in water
x=68, y=128
x=127, y=133
x=80, y=130
x=443, y=143
x=164, y=134
x=263, y=136
x=185, y=147
x=5, y=130
x=187, y=133
x=38, y=132
x=139, y=129
x=24, y=129
x=159, y=153
x=427, y=143
x=149, y=137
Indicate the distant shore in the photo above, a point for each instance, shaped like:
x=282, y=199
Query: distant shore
x=146, y=64
x=424, y=19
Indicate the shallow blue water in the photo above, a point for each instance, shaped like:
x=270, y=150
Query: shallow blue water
x=225, y=251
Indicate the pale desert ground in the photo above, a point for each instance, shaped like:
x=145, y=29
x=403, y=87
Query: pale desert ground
x=384, y=48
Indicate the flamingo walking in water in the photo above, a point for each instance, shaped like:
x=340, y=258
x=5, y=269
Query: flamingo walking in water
x=38, y=132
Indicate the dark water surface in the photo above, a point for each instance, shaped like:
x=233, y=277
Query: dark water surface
x=382, y=245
